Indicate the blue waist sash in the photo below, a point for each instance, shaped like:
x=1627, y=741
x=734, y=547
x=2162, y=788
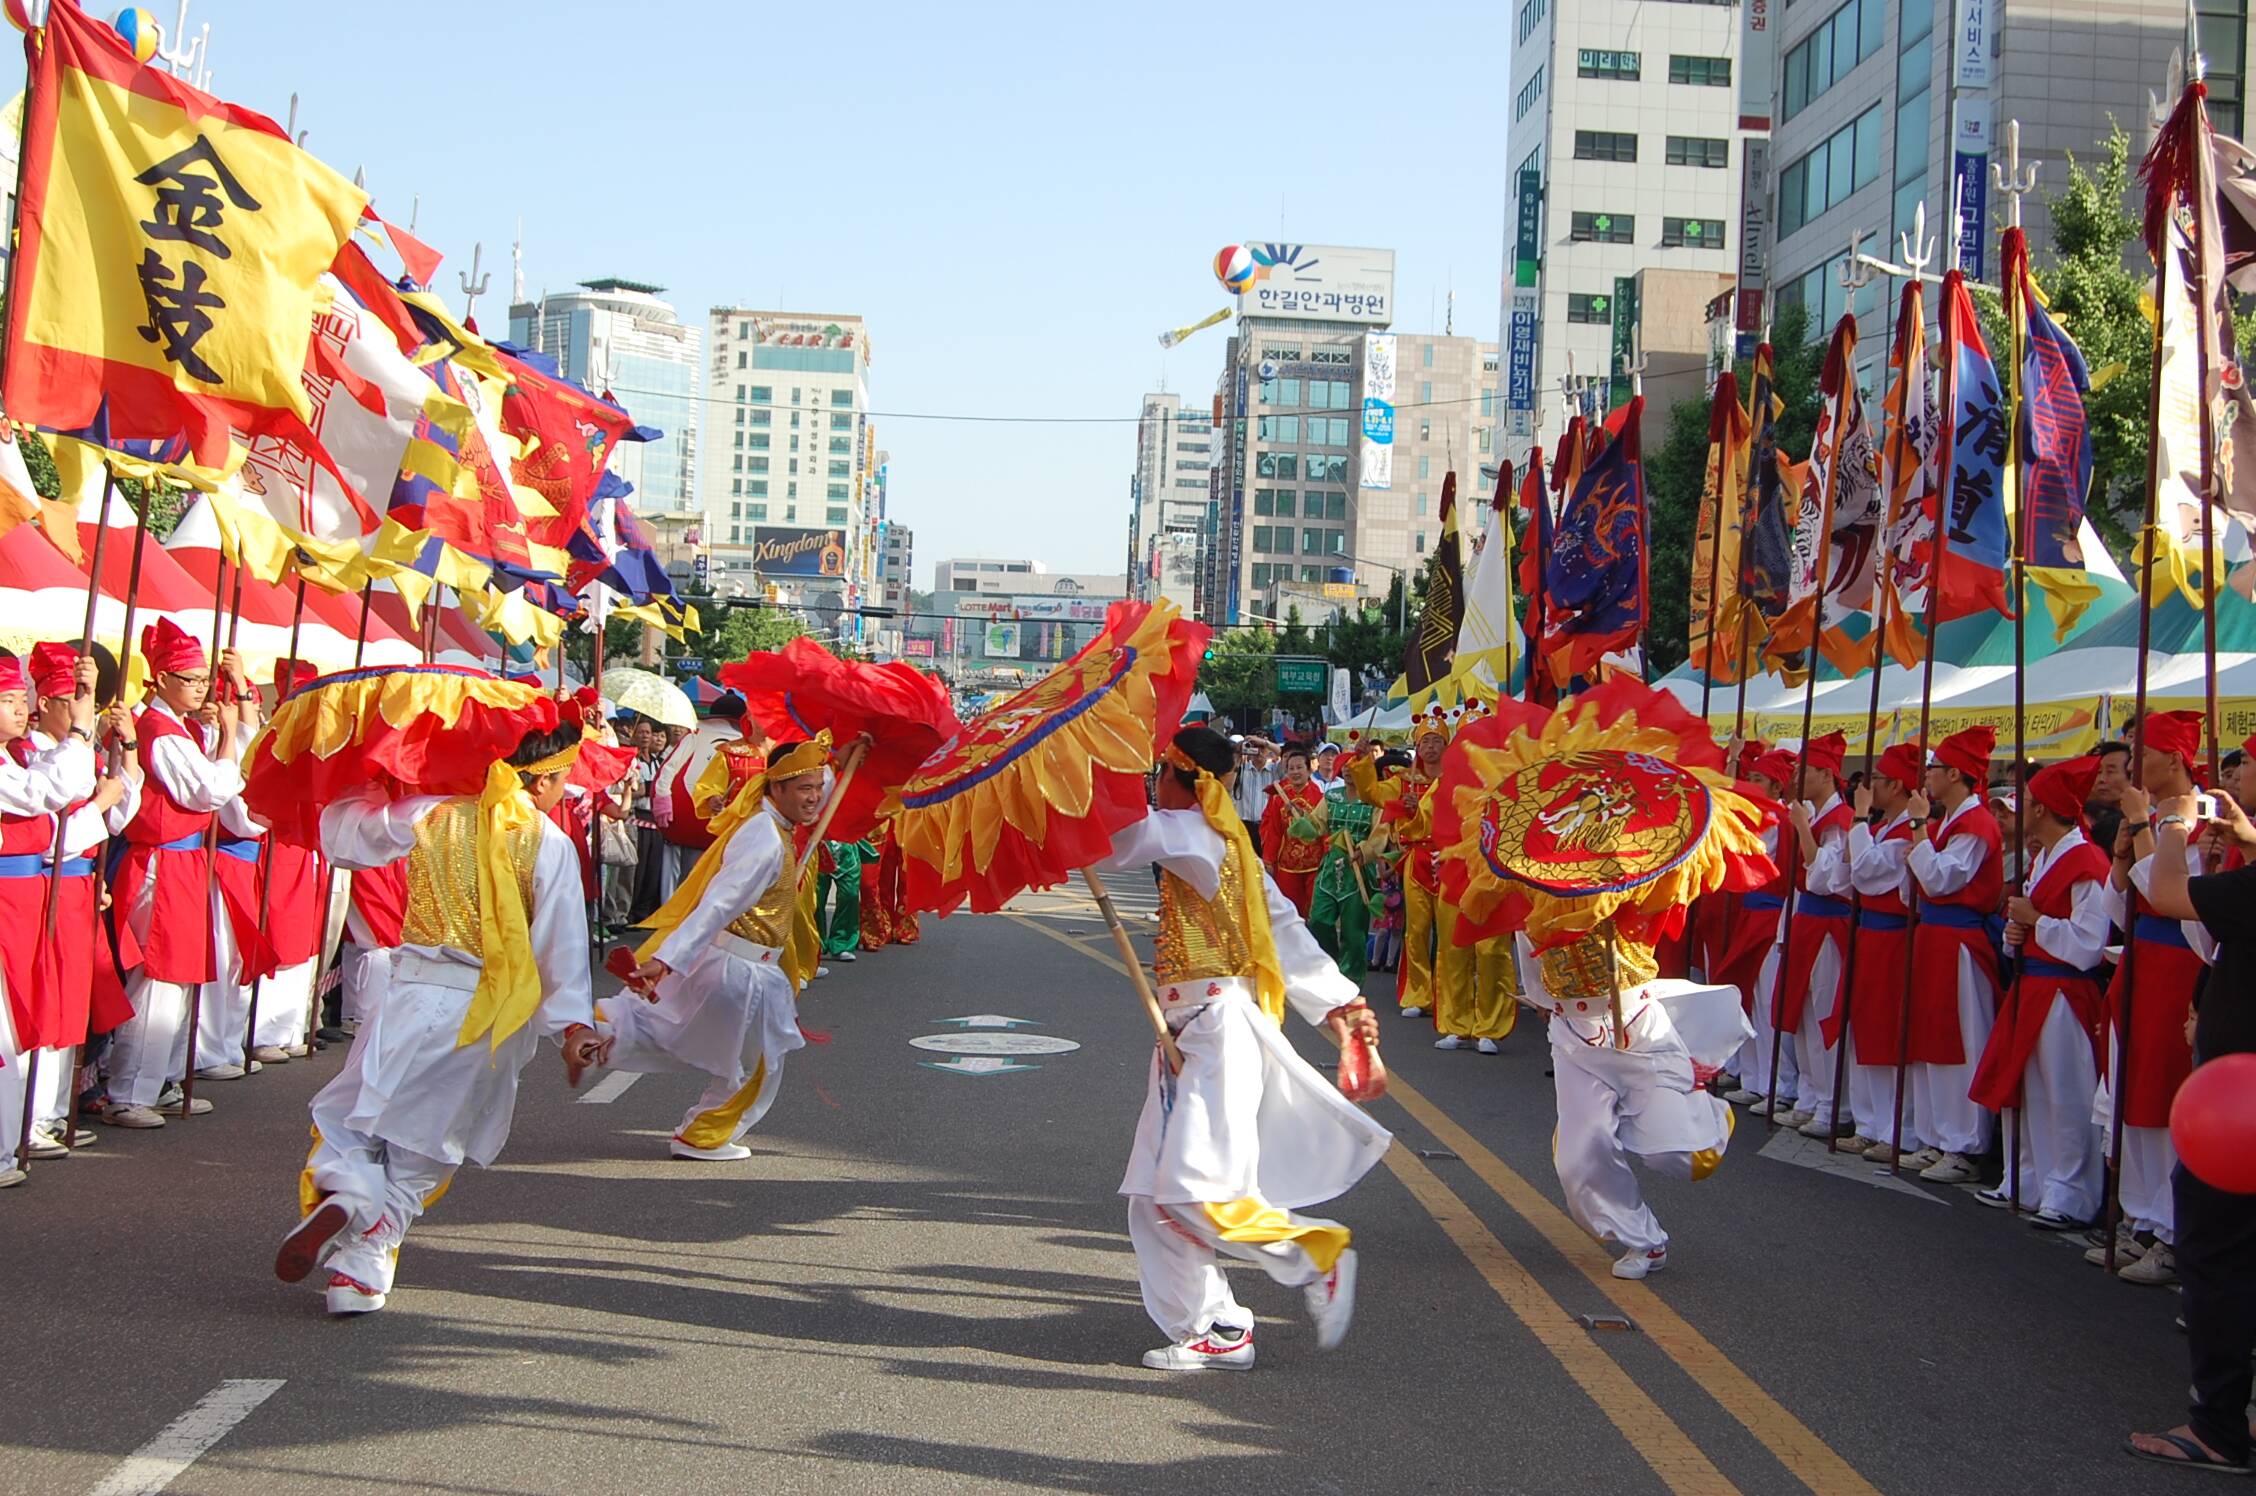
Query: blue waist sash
x=1880, y=920
x=1762, y=901
x=2060, y=971
x=2156, y=930
x=242, y=849
x=182, y=844
x=1821, y=906
x=34, y=865
x=1953, y=917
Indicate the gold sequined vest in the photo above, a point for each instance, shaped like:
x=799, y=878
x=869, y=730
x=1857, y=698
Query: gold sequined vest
x=1200, y=939
x=442, y=878
x=1575, y=975
x=768, y=921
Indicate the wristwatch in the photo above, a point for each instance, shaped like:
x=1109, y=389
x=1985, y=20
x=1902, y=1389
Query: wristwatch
x=82, y=734
x=2175, y=820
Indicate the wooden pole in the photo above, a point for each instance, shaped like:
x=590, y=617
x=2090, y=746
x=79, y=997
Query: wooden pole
x=266, y=848
x=329, y=880
x=1171, y=1054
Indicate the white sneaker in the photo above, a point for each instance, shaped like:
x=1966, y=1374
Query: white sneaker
x=221, y=1072
x=822, y=971
x=1796, y=1119
x=1951, y=1168
x=173, y=1104
x=1211, y=1351
x=725, y=1153
x=347, y=1297
x=1413, y=1012
x=271, y=1054
x=846, y=956
x=132, y=1116
x=1452, y=1041
x=1331, y=1301
x=11, y=1176
x=1489, y=1046
x=1998, y=1199
x=1641, y=1264
x=1743, y=1097
x=1920, y=1159
x=44, y=1144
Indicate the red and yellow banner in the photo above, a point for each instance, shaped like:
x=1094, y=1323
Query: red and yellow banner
x=170, y=248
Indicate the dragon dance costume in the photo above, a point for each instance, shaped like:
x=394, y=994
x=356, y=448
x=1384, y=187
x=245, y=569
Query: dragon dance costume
x=739, y=939
x=1229, y=1151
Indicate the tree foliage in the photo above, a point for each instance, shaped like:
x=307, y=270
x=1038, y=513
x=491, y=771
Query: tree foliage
x=1240, y=673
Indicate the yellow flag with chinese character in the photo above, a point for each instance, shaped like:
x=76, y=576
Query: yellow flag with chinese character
x=170, y=252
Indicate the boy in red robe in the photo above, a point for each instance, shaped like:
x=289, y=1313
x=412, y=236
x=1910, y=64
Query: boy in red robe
x=1293, y=830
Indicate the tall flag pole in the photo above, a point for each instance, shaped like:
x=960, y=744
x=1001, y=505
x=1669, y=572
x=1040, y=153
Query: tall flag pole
x=1426, y=658
x=2014, y=182
x=1762, y=409
x=1719, y=531
x=1594, y=572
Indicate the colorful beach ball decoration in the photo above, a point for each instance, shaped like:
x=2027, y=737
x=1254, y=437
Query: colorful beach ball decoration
x=1233, y=267
x=139, y=29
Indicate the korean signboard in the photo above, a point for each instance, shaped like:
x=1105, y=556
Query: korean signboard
x=1527, y=264
x=785, y=551
x=1971, y=21
x=1377, y=465
x=1320, y=283
x=1754, y=227
x=1970, y=175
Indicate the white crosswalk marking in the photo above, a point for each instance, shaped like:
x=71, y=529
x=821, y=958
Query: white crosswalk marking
x=156, y=1464
x=610, y=1088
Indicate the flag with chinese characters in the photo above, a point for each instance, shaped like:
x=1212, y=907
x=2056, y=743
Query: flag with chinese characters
x=2051, y=451
x=170, y=250
x=1767, y=550
x=1717, y=613
x=1907, y=483
x=1970, y=577
x=1594, y=575
x=1838, y=531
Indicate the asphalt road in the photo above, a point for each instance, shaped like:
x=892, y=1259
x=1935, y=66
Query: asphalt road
x=921, y=1282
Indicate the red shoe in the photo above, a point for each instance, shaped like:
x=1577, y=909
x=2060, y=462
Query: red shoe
x=304, y=1247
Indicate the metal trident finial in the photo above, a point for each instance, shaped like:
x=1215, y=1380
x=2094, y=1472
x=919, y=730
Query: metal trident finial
x=2010, y=177
x=1917, y=247
x=473, y=284
x=1635, y=362
x=182, y=60
x=1855, y=273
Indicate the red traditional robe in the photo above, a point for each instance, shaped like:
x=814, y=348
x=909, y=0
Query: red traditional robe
x=34, y=1002
x=2044, y=979
x=2156, y=1057
x=1293, y=860
x=1876, y=993
x=1754, y=930
x=1951, y=924
x=1818, y=917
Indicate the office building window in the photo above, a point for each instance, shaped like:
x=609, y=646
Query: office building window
x=1590, y=62
x=1262, y=534
x=842, y=397
x=759, y=442
x=1312, y=542
x=797, y=392
x=1277, y=428
x=1597, y=310
x=1531, y=16
x=841, y=444
x=1705, y=72
x=759, y=511
x=1277, y=465
x=757, y=465
x=795, y=420
x=740, y=439
x=1265, y=501
x=1605, y=145
x=1288, y=502
x=762, y=394
x=1603, y=228
x=841, y=469
x=835, y=516
x=1828, y=54
x=757, y=488
x=1335, y=506
x=838, y=492
x=1844, y=163
x=763, y=417
x=743, y=360
x=1530, y=94
x=841, y=422
x=1421, y=539
x=1699, y=150
x=1691, y=233
x=1281, y=392
x=1425, y=466
x=795, y=467
x=1260, y=575
x=1425, y=392
x=1337, y=431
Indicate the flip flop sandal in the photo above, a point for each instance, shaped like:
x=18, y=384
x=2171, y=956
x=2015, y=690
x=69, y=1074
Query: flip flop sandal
x=2190, y=1456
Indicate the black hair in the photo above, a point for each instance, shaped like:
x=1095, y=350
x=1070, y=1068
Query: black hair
x=1209, y=750
x=2230, y=761
x=1394, y=758
x=1295, y=750
x=535, y=746
x=2112, y=745
x=729, y=708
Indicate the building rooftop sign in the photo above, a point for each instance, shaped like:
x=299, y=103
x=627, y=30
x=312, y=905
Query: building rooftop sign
x=1320, y=283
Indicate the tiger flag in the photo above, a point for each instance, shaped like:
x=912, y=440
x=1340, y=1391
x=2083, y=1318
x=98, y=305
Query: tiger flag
x=1970, y=575
x=1907, y=483
x=169, y=251
x=1433, y=644
x=2051, y=447
x=1716, y=607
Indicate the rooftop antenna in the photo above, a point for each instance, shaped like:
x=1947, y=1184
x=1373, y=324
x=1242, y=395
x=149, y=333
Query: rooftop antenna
x=414, y=208
x=473, y=284
x=517, y=266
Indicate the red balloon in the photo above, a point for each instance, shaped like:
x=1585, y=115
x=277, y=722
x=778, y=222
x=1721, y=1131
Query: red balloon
x=2213, y=1123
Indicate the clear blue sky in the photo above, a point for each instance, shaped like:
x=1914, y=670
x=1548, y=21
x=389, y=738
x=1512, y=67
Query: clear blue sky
x=1018, y=197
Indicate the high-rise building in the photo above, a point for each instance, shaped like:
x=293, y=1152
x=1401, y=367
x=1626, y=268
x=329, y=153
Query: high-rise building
x=793, y=485
x=1016, y=575
x=1625, y=155
x=616, y=335
x=1335, y=437
x=896, y=563
x=1880, y=107
x=1168, y=499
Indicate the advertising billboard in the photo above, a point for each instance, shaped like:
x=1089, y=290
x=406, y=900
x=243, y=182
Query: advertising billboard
x=1320, y=283
x=1376, y=470
x=1002, y=641
x=790, y=551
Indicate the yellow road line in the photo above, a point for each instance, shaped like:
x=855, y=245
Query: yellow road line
x=1657, y=1439
x=1811, y=1460
x=1652, y=1433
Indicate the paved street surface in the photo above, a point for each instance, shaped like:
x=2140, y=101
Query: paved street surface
x=921, y=1282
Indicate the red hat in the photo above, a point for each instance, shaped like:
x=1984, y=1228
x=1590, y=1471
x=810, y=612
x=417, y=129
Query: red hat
x=1826, y=754
x=587, y=698
x=1969, y=753
x=1777, y=766
x=2064, y=788
x=1901, y=763
x=170, y=650
x=54, y=669
x=2177, y=733
x=290, y=675
x=12, y=673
